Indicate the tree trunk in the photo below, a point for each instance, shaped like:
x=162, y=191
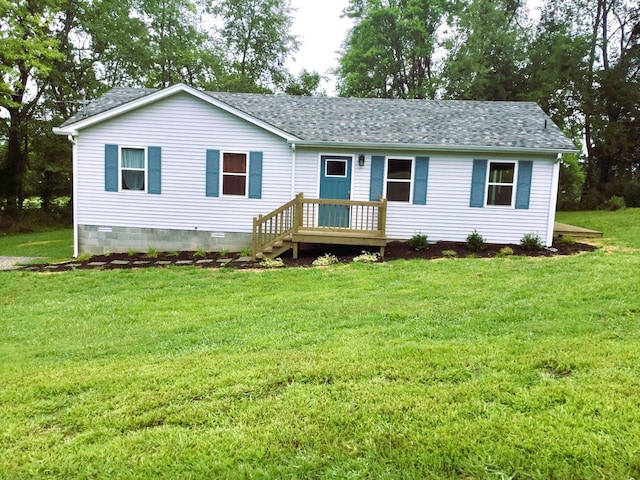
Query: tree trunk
x=15, y=166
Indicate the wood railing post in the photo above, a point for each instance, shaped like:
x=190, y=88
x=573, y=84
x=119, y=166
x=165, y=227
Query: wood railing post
x=382, y=216
x=298, y=212
x=256, y=239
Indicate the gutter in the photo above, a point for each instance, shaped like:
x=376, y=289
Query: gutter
x=437, y=147
x=293, y=170
x=74, y=197
x=64, y=131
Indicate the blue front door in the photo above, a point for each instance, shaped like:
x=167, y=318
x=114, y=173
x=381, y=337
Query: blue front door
x=335, y=183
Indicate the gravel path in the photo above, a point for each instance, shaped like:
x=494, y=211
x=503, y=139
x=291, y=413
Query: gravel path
x=9, y=263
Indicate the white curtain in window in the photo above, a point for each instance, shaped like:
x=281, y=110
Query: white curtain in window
x=133, y=158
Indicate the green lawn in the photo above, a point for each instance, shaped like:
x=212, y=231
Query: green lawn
x=620, y=228
x=53, y=245
x=465, y=368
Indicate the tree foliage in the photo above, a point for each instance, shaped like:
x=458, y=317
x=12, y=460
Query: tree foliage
x=390, y=51
x=58, y=54
x=580, y=62
x=255, y=35
x=487, y=52
x=27, y=56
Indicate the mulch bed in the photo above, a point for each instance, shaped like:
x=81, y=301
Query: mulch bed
x=393, y=251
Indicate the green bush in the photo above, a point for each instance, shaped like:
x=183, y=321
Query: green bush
x=419, y=242
x=531, y=241
x=449, y=253
x=475, y=242
x=614, y=203
x=565, y=240
x=627, y=189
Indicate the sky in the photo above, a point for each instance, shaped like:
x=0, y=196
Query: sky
x=321, y=31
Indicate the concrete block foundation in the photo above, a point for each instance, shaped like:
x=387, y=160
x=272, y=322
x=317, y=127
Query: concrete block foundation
x=99, y=239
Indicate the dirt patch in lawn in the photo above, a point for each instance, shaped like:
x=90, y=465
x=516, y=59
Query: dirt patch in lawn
x=393, y=251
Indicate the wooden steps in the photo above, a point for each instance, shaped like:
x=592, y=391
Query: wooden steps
x=300, y=221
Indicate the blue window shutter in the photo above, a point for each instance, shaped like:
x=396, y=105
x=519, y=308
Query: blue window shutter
x=478, y=181
x=420, y=182
x=213, y=173
x=155, y=169
x=111, y=168
x=377, y=178
x=523, y=190
x=255, y=175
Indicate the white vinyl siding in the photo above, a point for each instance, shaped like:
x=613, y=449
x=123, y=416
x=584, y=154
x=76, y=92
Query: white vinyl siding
x=185, y=127
x=448, y=216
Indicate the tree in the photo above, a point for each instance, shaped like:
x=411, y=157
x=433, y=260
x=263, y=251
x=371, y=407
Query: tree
x=256, y=37
x=390, y=50
x=175, y=47
x=607, y=90
x=306, y=83
x=27, y=56
x=487, y=52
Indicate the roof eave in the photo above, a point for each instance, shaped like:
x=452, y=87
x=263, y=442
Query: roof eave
x=74, y=128
x=437, y=147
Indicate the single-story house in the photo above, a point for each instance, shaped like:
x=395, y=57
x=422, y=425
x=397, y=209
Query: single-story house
x=183, y=169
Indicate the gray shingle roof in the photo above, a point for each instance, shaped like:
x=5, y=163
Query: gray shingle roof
x=450, y=123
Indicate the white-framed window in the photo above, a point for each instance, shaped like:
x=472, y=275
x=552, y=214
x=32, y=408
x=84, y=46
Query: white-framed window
x=399, y=174
x=501, y=183
x=234, y=174
x=335, y=167
x=133, y=168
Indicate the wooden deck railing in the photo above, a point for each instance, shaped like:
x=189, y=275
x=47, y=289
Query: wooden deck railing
x=348, y=217
x=273, y=227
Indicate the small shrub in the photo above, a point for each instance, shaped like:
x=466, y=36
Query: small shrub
x=449, y=253
x=272, y=263
x=614, y=203
x=566, y=240
x=506, y=251
x=223, y=253
x=152, y=252
x=419, y=242
x=132, y=253
x=475, y=242
x=245, y=252
x=83, y=257
x=531, y=241
x=325, y=260
x=367, y=257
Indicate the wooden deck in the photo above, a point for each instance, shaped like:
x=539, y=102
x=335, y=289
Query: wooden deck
x=324, y=221
x=563, y=229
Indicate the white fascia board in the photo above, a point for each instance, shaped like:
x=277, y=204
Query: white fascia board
x=436, y=148
x=73, y=128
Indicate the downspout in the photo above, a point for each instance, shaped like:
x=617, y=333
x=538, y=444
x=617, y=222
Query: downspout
x=74, y=197
x=553, y=201
x=293, y=170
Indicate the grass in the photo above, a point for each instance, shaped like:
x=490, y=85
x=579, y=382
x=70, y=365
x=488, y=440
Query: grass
x=620, y=228
x=505, y=368
x=55, y=245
